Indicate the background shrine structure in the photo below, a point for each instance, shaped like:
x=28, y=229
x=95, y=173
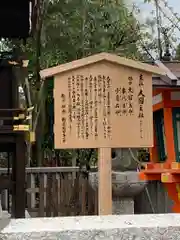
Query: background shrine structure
x=164, y=163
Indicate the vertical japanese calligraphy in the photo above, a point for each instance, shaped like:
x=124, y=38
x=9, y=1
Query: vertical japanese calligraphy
x=100, y=89
x=86, y=109
x=95, y=108
x=104, y=108
x=82, y=126
x=87, y=102
x=141, y=98
x=73, y=98
x=118, y=97
x=63, y=118
x=130, y=96
x=108, y=104
x=69, y=104
x=78, y=106
x=124, y=99
x=91, y=103
x=106, y=94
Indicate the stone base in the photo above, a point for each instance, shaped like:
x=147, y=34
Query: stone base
x=125, y=186
x=5, y=214
x=122, y=206
x=125, y=227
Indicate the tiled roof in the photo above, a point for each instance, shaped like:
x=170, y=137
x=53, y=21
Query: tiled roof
x=174, y=67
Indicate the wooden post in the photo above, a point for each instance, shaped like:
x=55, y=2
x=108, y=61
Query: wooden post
x=154, y=157
x=168, y=125
x=18, y=178
x=105, y=182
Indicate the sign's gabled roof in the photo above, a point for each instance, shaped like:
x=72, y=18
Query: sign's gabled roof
x=49, y=72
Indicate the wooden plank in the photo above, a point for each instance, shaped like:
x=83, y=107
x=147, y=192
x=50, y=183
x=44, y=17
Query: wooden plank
x=60, y=194
x=55, y=195
x=90, y=200
x=84, y=196
x=41, y=210
x=96, y=203
x=69, y=197
x=34, y=190
x=105, y=181
x=63, y=199
x=31, y=198
x=18, y=178
x=49, y=195
x=45, y=170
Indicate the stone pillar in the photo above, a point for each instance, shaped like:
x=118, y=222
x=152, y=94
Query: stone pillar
x=3, y=214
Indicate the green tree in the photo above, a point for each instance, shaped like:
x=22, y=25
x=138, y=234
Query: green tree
x=68, y=30
x=78, y=28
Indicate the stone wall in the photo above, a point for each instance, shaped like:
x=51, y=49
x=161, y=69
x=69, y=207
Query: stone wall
x=124, y=227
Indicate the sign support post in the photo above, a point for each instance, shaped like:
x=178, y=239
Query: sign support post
x=105, y=181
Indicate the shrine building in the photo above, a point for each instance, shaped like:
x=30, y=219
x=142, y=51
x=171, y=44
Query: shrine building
x=164, y=163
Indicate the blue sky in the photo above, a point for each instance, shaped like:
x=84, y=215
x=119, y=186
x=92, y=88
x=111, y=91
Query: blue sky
x=148, y=7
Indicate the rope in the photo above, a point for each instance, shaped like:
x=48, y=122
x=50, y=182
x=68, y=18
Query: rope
x=140, y=164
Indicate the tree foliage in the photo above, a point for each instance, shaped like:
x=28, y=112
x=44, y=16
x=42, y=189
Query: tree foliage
x=163, y=24
x=77, y=28
x=70, y=29
x=66, y=30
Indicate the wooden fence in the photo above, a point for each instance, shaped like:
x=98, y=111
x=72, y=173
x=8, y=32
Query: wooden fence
x=56, y=191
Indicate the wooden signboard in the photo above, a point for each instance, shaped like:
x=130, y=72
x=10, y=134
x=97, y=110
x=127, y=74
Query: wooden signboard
x=103, y=101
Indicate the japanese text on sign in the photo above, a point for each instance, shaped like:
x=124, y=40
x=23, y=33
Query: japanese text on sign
x=124, y=99
x=91, y=105
x=86, y=97
x=141, y=98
